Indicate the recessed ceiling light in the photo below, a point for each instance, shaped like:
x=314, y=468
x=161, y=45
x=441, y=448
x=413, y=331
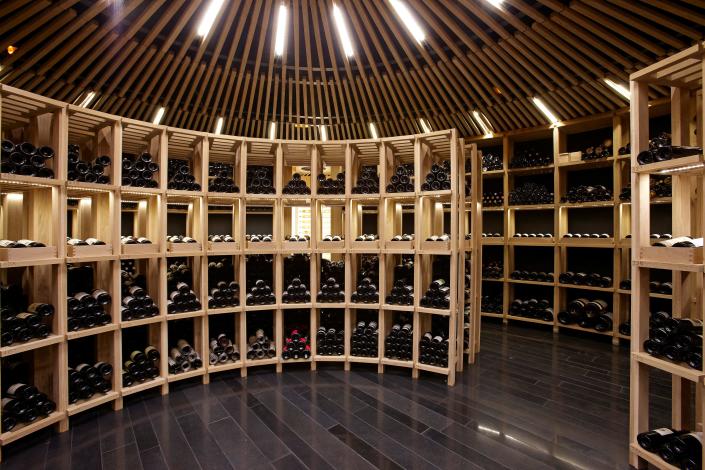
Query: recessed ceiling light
x=546, y=112
x=484, y=123
x=11, y=49
x=272, y=130
x=219, y=126
x=209, y=17
x=424, y=125
x=159, y=116
x=621, y=89
x=88, y=99
x=408, y=19
x=373, y=130
x=324, y=132
x=343, y=31
x=281, y=31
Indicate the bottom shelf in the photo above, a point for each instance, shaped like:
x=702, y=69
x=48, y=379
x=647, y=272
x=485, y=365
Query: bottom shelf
x=529, y=320
x=97, y=400
x=24, y=430
x=186, y=375
x=435, y=369
x=397, y=362
x=653, y=459
x=143, y=386
x=320, y=358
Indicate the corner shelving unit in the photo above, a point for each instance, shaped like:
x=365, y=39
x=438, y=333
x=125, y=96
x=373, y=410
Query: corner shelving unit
x=683, y=73
x=107, y=211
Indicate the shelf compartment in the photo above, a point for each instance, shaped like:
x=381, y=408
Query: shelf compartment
x=102, y=347
x=227, y=153
x=330, y=159
x=97, y=134
x=192, y=148
x=184, y=216
x=364, y=154
x=295, y=217
x=365, y=217
x=32, y=213
x=261, y=154
x=40, y=121
x=142, y=215
x=45, y=370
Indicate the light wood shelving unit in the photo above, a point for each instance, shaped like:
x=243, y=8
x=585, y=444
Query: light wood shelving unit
x=558, y=218
x=107, y=211
x=683, y=74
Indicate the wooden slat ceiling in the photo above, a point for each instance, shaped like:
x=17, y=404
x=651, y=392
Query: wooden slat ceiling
x=138, y=55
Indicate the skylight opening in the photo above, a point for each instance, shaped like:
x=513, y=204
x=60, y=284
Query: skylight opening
x=343, y=31
x=484, y=124
x=88, y=99
x=209, y=17
x=621, y=89
x=409, y=20
x=159, y=116
x=281, y=31
x=373, y=130
x=546, y=112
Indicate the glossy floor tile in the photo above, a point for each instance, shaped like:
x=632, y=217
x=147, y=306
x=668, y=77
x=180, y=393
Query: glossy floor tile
x=532, y=401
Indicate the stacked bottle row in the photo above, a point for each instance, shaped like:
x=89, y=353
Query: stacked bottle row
x=21, y=321
x=23, y=158
x=587, y=314
x=141, y=366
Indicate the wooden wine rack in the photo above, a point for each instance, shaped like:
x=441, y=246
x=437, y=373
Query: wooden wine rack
x=558, y=216
x=683, y=73
x=36, y=208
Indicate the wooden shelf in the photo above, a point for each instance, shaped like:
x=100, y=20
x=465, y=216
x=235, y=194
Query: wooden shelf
x=652, y=458
x=186, y=375
x=30, y=345
x=25, y=430
x=141, y=387
x=95, y=400
x=672, y=368
x=91, y=331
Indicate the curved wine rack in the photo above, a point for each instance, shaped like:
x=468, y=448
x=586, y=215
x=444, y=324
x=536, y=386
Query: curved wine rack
x=36, y=208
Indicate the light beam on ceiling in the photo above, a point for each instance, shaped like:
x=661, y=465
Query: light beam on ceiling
x=281, y=31
x=373, y=130
x=343, y=31
x=209, y=17
x=408, y=19
x=425, y=126
x=546, y=112
x=159, y=116
x=621, y=89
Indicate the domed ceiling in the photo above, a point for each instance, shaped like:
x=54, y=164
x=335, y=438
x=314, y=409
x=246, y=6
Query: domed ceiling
x=467, y=61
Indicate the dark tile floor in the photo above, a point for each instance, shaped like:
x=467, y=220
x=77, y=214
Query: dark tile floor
x=533, y=401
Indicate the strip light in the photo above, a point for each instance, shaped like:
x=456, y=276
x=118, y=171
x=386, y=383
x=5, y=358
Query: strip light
x=496, y=3
x=160, y=115
x=546, y=112
x=281, y=31
x=88, y=99
x=209, y=17
x=681, y=169
x=324, y=132
x=373, y=130
x=621, y=89
x=484, y=124
x=424, y=125
x=343, y=31
x=219, y=126
x=409, y=21
x=272, y=130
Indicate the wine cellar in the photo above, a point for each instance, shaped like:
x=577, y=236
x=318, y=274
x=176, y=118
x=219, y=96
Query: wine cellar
x=322, y=234
x=173, y=262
